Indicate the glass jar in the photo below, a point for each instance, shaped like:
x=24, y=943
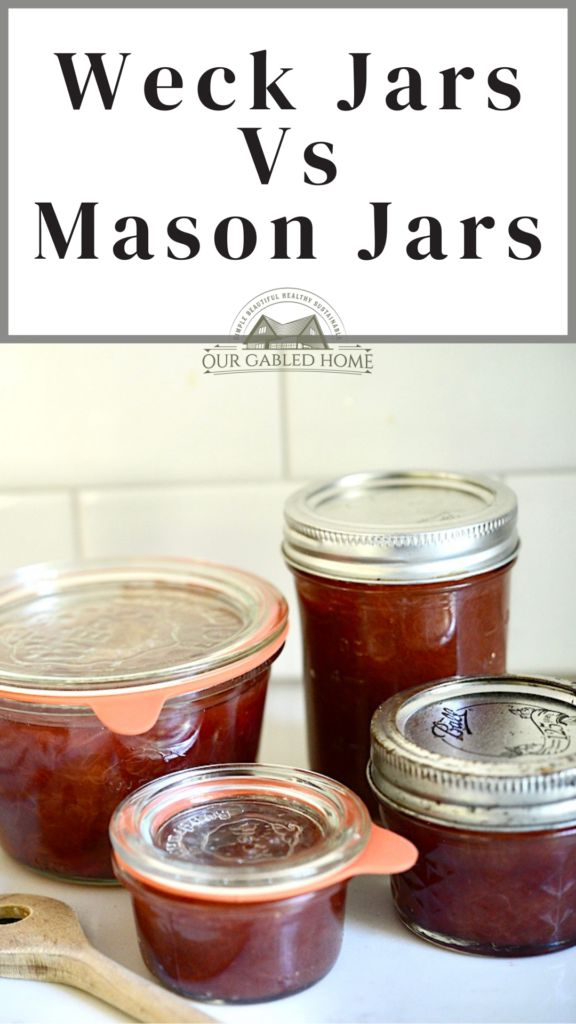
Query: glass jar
x=402, y=579
x=113, y=674
x=238, y=876
x=481, y=775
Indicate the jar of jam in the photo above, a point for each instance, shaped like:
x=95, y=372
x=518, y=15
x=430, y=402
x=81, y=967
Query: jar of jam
x=238, y=876
x=112, y=674
x=402, y=578
x=481, y=774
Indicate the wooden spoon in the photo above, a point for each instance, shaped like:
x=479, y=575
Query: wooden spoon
x=42, y=938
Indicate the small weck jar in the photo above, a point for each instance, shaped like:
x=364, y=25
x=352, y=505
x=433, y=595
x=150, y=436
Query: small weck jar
x=238, y=876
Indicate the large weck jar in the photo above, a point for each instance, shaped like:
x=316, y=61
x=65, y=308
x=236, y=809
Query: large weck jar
x=115, y=674
x=402, y=579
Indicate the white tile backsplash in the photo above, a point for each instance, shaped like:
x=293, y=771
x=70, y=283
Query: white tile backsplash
x=238, y=525
x=283, y=738
x=242, y=525
x=35, y=528
x=157, y=459
x=484, y=407
x=543, y=601
x=81, y=414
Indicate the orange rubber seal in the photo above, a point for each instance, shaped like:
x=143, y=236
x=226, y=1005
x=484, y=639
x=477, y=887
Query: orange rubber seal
x=385, y=853
x=130, y=711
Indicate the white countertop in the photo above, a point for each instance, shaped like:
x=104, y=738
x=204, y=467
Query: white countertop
x=384, y=974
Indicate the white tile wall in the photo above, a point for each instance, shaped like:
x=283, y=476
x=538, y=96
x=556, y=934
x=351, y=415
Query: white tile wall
x=468, y=406
x=35, y=527
x=122, y=413
x=543, y=600
x=236, y=524
x=156, y=459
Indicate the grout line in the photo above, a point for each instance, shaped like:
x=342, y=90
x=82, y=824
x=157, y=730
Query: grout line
x=271, y=481
x=547, y=471
x=59, y=488
x=284, y=428
x=77, y=532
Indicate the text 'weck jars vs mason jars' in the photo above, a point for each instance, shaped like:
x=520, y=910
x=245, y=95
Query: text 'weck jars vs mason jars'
x=238, y=876
x=481, y=775
x=112, y=675
x=402, y=578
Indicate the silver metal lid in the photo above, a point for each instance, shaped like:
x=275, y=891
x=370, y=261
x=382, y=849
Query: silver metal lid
x=493, y=753
x=413, y=527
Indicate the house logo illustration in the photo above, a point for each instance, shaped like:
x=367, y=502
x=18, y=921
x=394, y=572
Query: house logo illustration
x=287, y=330
x=288, y=318
x=305, y=332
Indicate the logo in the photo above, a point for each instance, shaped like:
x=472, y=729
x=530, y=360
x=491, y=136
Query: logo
x=485, y=730
x=287, y=317
x=238, y=831
x=251, y=839
x=287, y=330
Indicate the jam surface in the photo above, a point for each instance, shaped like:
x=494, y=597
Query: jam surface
x=62, y=774
x=493, y=893
x=239, y=952
x=365, y=642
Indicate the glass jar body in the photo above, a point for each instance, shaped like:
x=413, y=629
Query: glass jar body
x=62, y=772
x=238, y=952
x=492, y=893
x=365, y=642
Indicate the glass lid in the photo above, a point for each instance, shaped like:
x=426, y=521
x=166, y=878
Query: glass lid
x=244, y=829
x=124, y=624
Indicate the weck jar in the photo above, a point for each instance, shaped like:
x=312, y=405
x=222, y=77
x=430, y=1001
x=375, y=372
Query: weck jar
x=112, y=674
x=402, y=578
x=481, y=775
x=238, y=876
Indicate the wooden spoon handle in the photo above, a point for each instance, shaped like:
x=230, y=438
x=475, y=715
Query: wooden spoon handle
x=92, y=972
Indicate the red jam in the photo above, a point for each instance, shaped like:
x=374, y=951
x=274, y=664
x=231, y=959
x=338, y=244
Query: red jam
x=62, y=773
x=229, y=950
x=402, y=578
x=365, y=642
x=500, y=894
x=238, y=876
x=240, y=953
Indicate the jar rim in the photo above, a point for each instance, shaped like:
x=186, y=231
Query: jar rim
x=482, y=752
x=124, y=635
x=414, y=526
x=178, y=805
x=216, y=692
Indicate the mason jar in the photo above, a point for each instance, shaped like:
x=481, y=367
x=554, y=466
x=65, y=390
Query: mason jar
x=238, y=876
x=112, y=674
x=481, y=775
x=402, y=578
